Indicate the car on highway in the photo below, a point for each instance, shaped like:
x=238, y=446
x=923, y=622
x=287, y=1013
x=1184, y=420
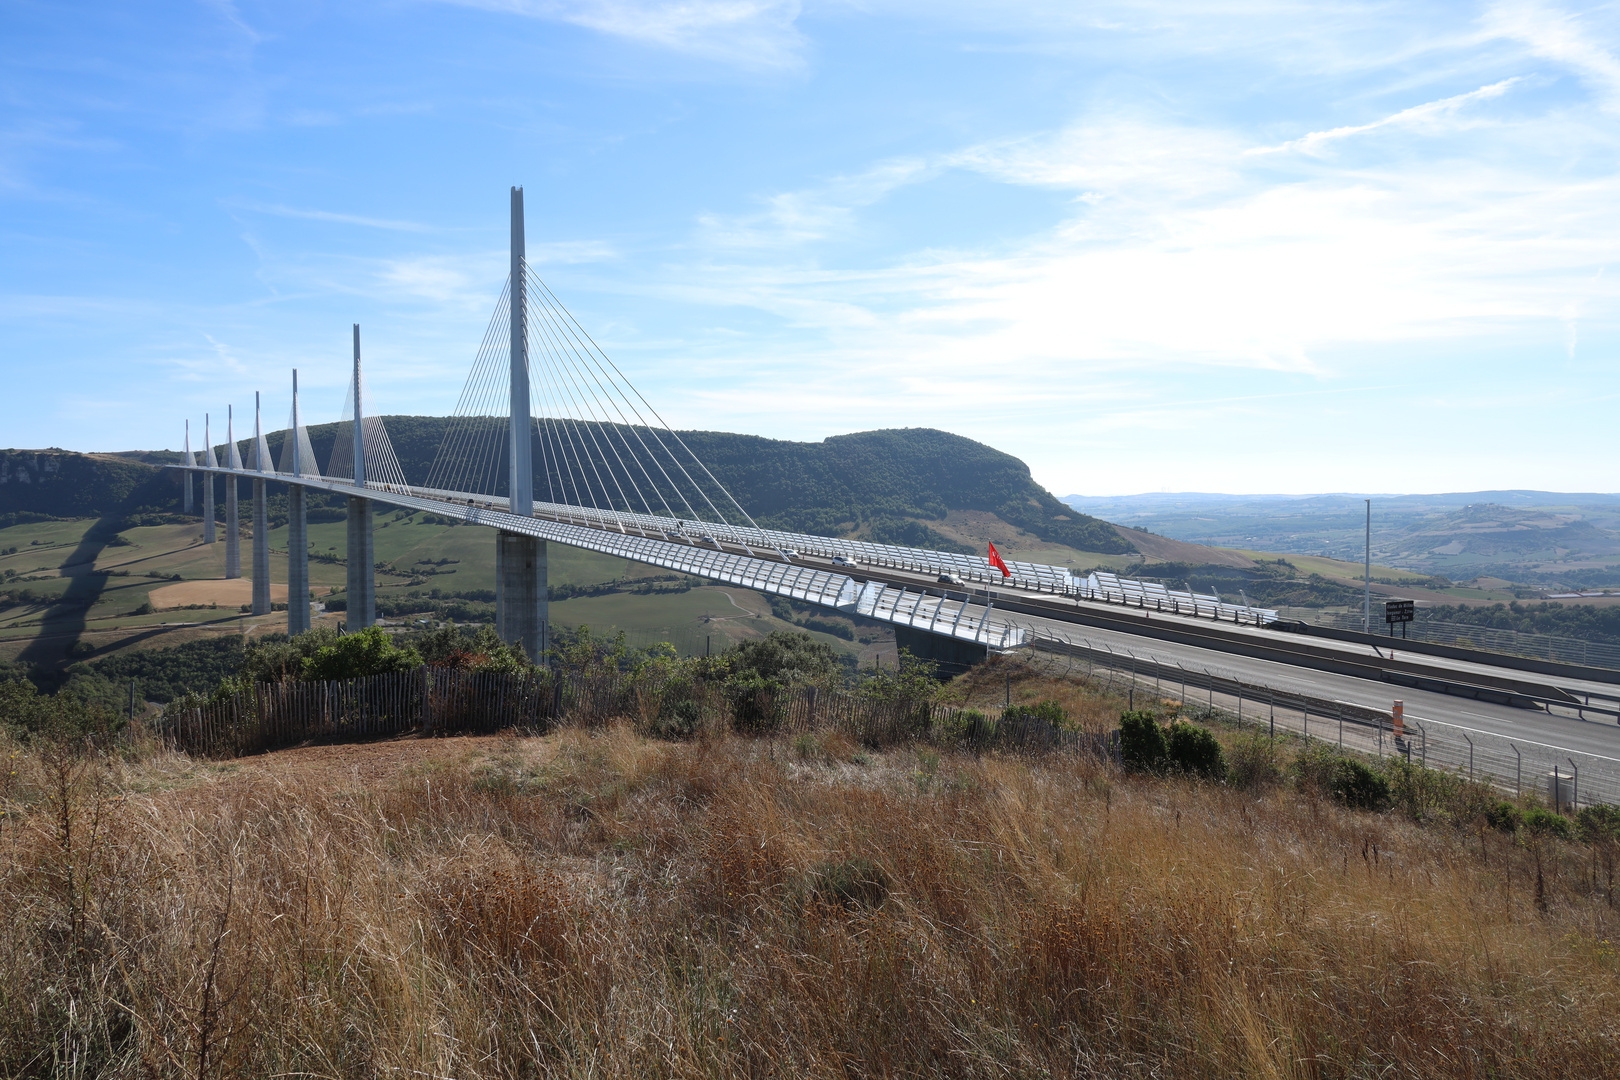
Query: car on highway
x=673, y=536
x=950, y=579
x=839, y=560
x=709, y=540
x=789, y=553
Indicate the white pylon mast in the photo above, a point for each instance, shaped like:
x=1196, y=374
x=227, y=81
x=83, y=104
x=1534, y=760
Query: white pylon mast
x=521, y=481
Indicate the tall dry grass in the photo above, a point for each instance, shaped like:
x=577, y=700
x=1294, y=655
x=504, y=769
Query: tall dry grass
x=595, y=904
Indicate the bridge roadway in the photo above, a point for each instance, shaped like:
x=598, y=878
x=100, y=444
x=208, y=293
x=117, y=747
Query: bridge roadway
x=1109, y=626
x=1558, y=726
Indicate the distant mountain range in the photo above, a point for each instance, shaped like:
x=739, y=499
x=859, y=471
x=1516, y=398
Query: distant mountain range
x=1534, y=537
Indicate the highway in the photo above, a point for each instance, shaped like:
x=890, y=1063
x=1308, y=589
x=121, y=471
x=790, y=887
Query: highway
x=1561, y=728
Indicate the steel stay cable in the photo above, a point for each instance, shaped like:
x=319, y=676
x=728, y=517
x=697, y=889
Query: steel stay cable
x=698, y=487
x=486, y=427
x=592, y=431
x=598, y=351
x=549, y=316
x=453, y=446
x=565, y=442
x=580, y=451
x=675, y=488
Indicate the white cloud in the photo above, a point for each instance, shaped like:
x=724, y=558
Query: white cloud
x=1558, y=35
x=747, y=34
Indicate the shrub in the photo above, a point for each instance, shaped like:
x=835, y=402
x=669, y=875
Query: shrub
x=1254, y=763
x=678, y=718
x=1351, y=782
x=352, y=656
x=754, y=706
x=1504, y=816
x=967, y=725
x=1546, y=823
x=1141, y=742
x=1193, y=750
x=1598, y=823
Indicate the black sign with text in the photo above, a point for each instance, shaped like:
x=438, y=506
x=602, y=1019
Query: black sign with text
x=1399, y=611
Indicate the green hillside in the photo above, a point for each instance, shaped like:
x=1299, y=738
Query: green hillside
x=887, y=486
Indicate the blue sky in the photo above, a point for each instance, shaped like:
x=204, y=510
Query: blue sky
x=1232, y=246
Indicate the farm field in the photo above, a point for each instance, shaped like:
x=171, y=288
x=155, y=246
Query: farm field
x=113, y=584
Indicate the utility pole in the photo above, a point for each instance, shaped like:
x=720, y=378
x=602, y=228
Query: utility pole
x=520, y=560
x=1366, y=578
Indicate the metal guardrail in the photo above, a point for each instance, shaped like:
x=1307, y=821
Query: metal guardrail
x=1564, y=650
x=1519, y=766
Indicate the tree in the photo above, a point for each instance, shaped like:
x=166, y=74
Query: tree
x=354, y=656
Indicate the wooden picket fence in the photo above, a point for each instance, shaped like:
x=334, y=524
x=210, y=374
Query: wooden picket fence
x=432, y=700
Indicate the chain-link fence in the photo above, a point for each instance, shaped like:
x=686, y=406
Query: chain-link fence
x=1514, y=765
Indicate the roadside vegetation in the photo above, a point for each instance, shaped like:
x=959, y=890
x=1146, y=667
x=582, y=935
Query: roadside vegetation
x=594, y=901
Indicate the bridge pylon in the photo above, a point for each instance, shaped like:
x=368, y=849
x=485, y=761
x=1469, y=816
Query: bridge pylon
x=362, y=585
x=261, y=518
x=186, y=479
x=233, y=523
x=297, y=527
x=521, y=610
x=209, y=529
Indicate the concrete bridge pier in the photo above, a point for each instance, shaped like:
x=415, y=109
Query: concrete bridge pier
x=362, y=586
x=210, y=531
x=521, y=610
x=233, y=523
x=233, y=531
x=297, y=561
x=208, y=484
x=953, y=655
x=261, y=551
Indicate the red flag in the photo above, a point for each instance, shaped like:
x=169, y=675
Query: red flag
x=995, y=561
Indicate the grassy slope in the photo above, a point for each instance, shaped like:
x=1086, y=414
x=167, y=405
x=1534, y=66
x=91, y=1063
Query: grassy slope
x=110, y=624
x=592, y=903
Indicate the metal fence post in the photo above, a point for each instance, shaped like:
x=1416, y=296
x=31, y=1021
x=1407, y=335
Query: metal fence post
x=1470, y=743
x=1575, y=787
x=1518, y=771
x=1271, y=695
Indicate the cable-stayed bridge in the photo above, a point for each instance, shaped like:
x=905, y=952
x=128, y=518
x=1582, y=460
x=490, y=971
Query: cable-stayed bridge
x=551, y=443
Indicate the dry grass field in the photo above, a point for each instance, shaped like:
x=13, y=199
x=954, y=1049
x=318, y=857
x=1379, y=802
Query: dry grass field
x=593, y=903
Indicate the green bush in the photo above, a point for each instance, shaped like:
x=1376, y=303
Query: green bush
x=353, y=656
x=967, y=725
x=678, y=718
x=1351, y=782
x=1546, y=823
x=754, y=705
x=1598, y=823
x=1504, y=816
x=1193, y=750
x=1254, y=762
x=1141, y=742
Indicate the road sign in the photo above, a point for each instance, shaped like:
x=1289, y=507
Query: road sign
x=1399, y=610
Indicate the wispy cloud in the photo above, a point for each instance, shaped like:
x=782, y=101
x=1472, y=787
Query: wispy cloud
x=336, y=218
x=1429, y=117
x=748, y=34
x=1562, y=37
